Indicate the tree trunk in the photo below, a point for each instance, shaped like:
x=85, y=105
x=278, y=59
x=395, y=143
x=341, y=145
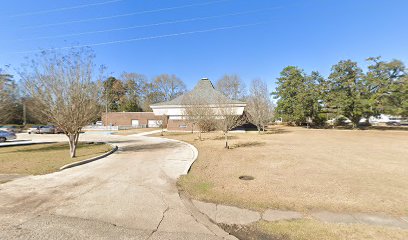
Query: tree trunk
x=226, y=140
x=199, y=135
x=73, y=142
x=259, y=129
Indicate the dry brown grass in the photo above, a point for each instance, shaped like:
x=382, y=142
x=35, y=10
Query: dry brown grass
x=44, y=158
x=310, y=229
x=134, y=131
x=303, y=170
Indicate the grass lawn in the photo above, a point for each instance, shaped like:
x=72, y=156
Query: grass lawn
x=311, y=229
x=303, y=170
x=134, y=131
x=44, y=158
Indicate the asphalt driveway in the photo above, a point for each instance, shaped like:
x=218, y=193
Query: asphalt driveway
x=131, y=194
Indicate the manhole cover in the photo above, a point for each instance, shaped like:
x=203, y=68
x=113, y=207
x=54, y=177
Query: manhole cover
x=246, y=178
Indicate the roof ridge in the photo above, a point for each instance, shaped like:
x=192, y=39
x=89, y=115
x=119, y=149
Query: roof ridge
x=204, y=89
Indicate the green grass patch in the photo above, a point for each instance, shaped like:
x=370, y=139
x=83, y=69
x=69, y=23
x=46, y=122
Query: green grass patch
x=195, y=186
x=44, y=158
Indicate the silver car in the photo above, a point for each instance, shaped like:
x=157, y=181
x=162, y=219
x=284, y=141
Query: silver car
x=34, y=130
x=47, y=130
x=13, y=129
x=6, y=136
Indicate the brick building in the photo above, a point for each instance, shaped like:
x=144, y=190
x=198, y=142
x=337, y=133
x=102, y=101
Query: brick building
x=133, y=119
x=174, y=110
x=172, y=113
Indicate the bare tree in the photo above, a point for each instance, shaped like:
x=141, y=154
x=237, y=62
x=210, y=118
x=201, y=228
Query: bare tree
x=8, y=98
x=227, y=117
x=232, y=86
x=198, y=112
x=64, y=90
x=168, y=86
x=163, y=123
x=259, y=104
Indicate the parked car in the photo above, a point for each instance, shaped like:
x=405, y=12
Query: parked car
x=13, y=129
x=58, y=130
x=98, y=123
x=6, y=136
x=34, y=130
x=47, y=130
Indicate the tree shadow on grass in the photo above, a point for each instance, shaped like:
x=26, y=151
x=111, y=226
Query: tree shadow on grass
x=48, y=147
x=223, y=138
x=277, y=131
x=385, y=128
x=247, y=144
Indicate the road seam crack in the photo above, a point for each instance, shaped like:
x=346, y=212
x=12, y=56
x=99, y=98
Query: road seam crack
x=158, y=225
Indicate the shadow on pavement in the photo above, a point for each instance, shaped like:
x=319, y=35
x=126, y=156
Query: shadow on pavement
x=148, y=147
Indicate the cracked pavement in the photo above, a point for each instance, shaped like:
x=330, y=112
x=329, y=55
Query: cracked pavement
x=130, y=194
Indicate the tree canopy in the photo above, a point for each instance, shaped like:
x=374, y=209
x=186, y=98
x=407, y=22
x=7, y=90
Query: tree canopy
x=347, y=91
x=297, y=95
x=64, y=90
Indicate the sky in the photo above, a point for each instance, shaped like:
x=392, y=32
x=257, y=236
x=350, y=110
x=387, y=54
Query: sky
x=208, y=38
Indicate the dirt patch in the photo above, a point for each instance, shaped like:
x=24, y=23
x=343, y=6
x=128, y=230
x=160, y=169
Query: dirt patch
x=246, y=178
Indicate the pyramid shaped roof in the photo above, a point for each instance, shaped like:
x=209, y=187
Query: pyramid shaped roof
x=203, y=90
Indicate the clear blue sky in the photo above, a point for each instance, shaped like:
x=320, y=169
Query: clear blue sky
x=312, y=34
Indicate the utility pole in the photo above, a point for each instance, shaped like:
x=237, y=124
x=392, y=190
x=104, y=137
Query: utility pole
x=106, y=108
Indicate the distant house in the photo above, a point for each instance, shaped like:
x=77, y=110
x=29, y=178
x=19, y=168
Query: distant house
x=174, y=109
x=384, y=119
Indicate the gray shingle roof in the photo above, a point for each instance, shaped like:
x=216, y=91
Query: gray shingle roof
x=203, y=90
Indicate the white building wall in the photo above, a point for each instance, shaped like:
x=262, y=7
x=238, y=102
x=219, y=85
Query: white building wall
x=178, y=111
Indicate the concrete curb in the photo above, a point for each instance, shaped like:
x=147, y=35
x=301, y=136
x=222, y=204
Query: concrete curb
x=231, y=215
x=193, y=149
x=195, y=156
x=75, y=164
x=202, y=218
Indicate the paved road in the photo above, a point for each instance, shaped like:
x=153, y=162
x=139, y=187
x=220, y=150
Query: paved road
x=131, y=194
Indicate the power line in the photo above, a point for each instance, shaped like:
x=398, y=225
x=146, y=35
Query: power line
x=144, y=38
x=64, y=9
x=150, y=25
x=122, y=15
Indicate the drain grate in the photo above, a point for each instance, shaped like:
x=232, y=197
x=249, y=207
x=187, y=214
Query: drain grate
x=246, y=178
